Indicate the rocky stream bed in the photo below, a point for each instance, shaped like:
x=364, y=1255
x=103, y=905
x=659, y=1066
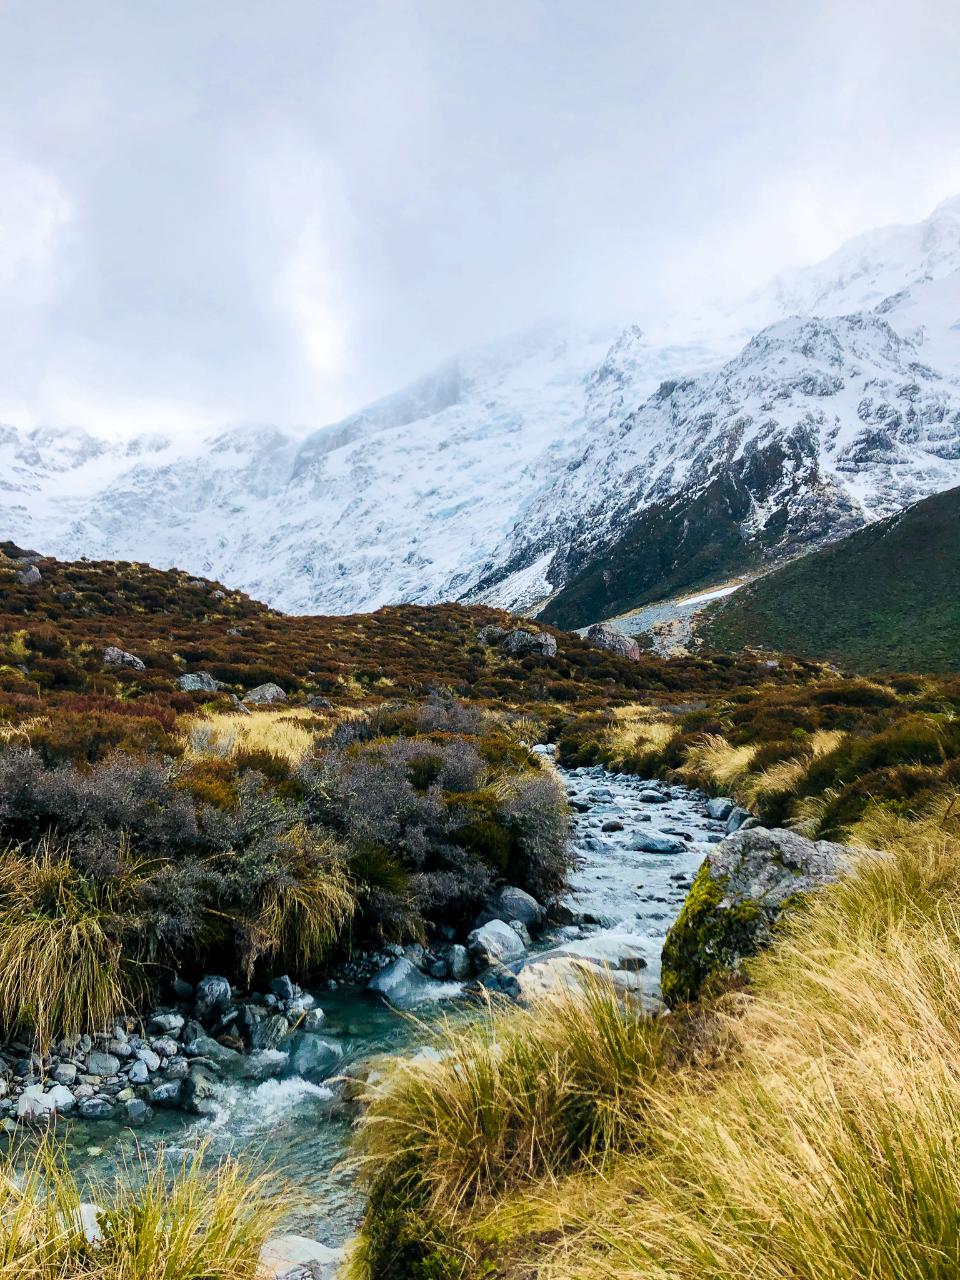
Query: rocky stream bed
x=640, y=844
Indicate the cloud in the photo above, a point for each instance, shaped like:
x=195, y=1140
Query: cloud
x=276, y=213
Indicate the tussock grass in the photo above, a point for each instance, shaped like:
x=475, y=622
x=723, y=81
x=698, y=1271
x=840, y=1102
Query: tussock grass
x=785, y=777
x=188, y=1223
x=518, y=1095
x=638, y=731
x=62, y=966
x=821, y=1140
x=288, y=733
x=716, y=763
x=305, y=908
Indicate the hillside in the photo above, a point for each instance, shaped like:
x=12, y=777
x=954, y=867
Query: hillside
x=886, y=598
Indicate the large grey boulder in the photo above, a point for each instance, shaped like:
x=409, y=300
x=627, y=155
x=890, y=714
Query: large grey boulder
x=743, y=885
x=604, y=635
x=520, y=642
x=720, y=808
x=29, y=576
x=510, y=903
x=293, y=1257
x=494, y=943
x=115, y=657
x=198, y=682
x=265, y=695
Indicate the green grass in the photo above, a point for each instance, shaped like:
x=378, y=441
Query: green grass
x=887, y=598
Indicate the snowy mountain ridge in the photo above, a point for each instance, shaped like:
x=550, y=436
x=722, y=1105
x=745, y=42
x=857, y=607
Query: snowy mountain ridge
x=529, y=469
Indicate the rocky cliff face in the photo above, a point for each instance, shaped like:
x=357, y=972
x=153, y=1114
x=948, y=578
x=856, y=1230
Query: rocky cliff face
x=580, y=473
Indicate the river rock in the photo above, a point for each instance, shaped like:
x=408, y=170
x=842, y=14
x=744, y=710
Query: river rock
x=198, y=1092
x=604, y=635
x=165, y=1024
x=510, y=903
x=736, y=818
x=166, y=1093
x=649, y=842
x=65, y=1073
x=150, y=1058
x=264, y=1064
x=720, y=808
x=494, y=943
x=401, y=984
x=138, y=1073
x=458, y=962
x=96, y=1109
x=743, y=885
x=207, y=1047
x=138, y=1112
x=212, y=995
x=102, y=1064
x=313, y=1057
x=293, y=1257
x=268, y=1032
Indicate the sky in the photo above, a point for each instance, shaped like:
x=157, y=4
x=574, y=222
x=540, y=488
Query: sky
x=231, y=211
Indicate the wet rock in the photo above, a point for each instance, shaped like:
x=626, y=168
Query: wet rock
x=206, y=1047
x=150, y=1059
x=212, y=995
x=649, y=842
x=268, y=1032
x=494, y=943
x=314, y=1058
x=736, y=819
x=138, y=1073
x=166, y=1093
x=401, y=984
x=198, y=1092
x=652, y=797
x=511, y=903
x=283, y=988
x=458, y=962
x=96, y=1109
x=613, y=824
x=164, y=1024
x=138, y=1112
x=164, y=1047
x=264, y=1064
x=719, y=808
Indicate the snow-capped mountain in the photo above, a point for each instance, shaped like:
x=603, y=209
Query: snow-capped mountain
x=591, y=470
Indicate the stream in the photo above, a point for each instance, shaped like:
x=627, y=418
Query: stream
x=301, y=1130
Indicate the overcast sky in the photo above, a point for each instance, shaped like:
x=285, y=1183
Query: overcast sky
x=219, y=211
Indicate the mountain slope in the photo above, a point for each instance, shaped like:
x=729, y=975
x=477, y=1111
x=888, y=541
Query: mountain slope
x=580, y=472
x=818, y=426
x=887, y=598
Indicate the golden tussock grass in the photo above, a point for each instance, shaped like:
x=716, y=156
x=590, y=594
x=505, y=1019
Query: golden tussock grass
x=288, y=733
x=820, y=1140
x=715, y=762
x=187, y=1222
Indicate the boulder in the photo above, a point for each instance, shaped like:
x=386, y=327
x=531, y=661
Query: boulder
x=648, y=842
x=28, y=576
x=743, y=885
x=114, y=657
x=511, y=903
x=520, y=642
x=603, y=635
x=720, y=808
x=198, y=1092
x=283, y=987
x=138, y=1112
x=264, y=1064
x=163, y=1024
x=268, y=1032
x=313, y=1057
x=96, y=1109
x=167, y=1093
x=737, y=818
x=458, y=962
x=494, y=943
x=211, y=996
x=401, y=984
x=291, y=1256
x=265, y=695
x=198, y=682
x=138, y=1073
x=207, y=1047
x=102, y=1064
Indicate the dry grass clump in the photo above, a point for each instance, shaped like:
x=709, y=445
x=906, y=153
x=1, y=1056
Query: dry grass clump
x=716, y=763
x=188, y=1223
x=289, y=734
x=784, y=777
x=823, y=1142
x=62, y=967
x=638, y=731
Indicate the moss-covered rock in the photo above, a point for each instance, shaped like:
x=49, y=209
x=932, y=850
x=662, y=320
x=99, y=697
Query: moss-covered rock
x=743, y=887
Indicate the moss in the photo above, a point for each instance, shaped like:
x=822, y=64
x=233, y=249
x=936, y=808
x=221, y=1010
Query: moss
x=706, y=938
